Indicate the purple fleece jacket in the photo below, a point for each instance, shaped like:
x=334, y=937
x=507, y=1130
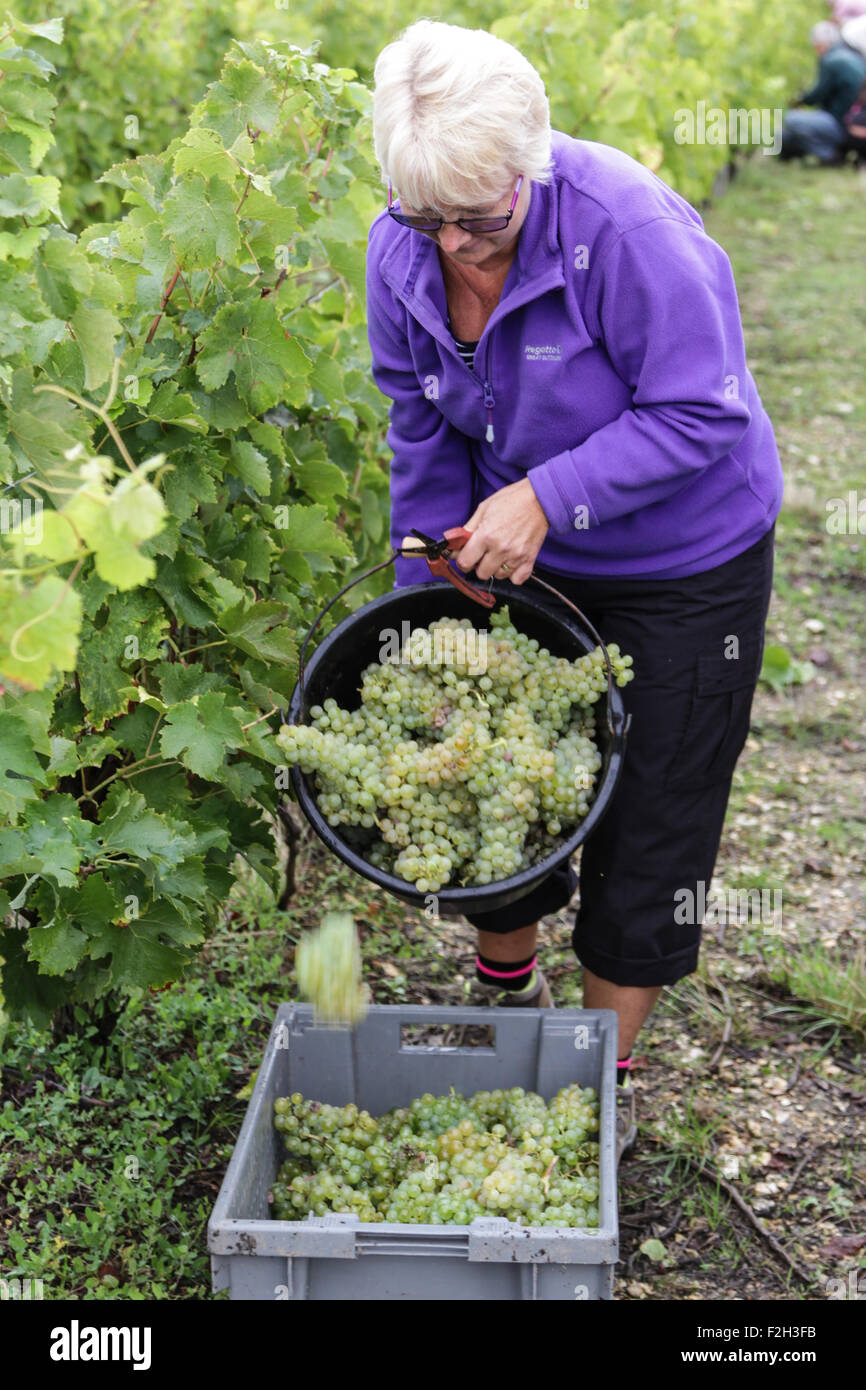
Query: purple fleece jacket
x=612, y=373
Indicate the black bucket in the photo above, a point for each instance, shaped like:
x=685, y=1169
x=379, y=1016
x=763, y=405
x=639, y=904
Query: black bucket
x=335, y=669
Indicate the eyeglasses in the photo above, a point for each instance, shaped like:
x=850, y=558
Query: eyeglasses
x=468, y=224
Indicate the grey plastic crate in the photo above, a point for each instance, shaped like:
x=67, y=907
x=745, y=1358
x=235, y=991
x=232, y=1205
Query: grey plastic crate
x=377, y=1067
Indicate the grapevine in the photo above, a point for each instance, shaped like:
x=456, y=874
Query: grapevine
x=187, y=427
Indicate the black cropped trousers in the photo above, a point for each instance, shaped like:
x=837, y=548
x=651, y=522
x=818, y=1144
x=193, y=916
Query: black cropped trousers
x=697, y=644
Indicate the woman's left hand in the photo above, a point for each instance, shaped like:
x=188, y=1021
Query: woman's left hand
x=508, y=531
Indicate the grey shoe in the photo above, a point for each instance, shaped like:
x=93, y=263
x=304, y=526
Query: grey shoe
x=537, y=998
x=626, y=1126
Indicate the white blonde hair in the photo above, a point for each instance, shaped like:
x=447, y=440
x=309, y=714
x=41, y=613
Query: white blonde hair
x=457, y=115
x=825, y=32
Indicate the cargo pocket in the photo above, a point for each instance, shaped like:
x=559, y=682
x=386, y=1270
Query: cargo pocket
x=717, y=723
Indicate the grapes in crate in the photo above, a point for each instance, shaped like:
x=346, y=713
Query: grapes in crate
x=443, y=1160
x=471, y=752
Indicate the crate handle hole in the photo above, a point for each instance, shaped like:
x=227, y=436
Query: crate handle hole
x=448, y=1035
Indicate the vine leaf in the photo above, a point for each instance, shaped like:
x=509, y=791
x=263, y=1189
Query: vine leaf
x=113, y=523
x=21, y=772
x=201, y=220
x=96, y=330
x=93, y=904
x=53, y=842
x=132, y=828
x=200, y=733
x=57, y=947
x=248, y=341
x=262, y=630
x=39, y=630
x=251, y=466
x=146, y=950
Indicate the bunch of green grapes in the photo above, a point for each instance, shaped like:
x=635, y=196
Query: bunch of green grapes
x=443, y=1160
x=328, y=970
x=471, y=752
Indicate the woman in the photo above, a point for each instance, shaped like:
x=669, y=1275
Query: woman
x=569, y=381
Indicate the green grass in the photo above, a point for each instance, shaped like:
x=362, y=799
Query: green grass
x=830, y=991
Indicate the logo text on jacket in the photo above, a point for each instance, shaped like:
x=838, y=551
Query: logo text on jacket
x=542, y=352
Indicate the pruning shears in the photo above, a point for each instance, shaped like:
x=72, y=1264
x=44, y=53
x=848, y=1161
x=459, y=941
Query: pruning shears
x=438, y=553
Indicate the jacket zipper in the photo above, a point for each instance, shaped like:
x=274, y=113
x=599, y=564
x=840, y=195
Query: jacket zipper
x=489, y=402
x=487, y=389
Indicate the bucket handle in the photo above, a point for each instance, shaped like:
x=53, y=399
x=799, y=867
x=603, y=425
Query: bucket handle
x=618, y=726
x=302, y=658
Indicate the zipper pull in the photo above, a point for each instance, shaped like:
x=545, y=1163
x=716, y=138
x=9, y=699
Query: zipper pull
x=489, y=403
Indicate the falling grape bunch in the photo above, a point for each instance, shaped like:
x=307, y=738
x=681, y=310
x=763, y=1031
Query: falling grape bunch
x=443, y=1160
x=328, y=971
x=471, y=751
